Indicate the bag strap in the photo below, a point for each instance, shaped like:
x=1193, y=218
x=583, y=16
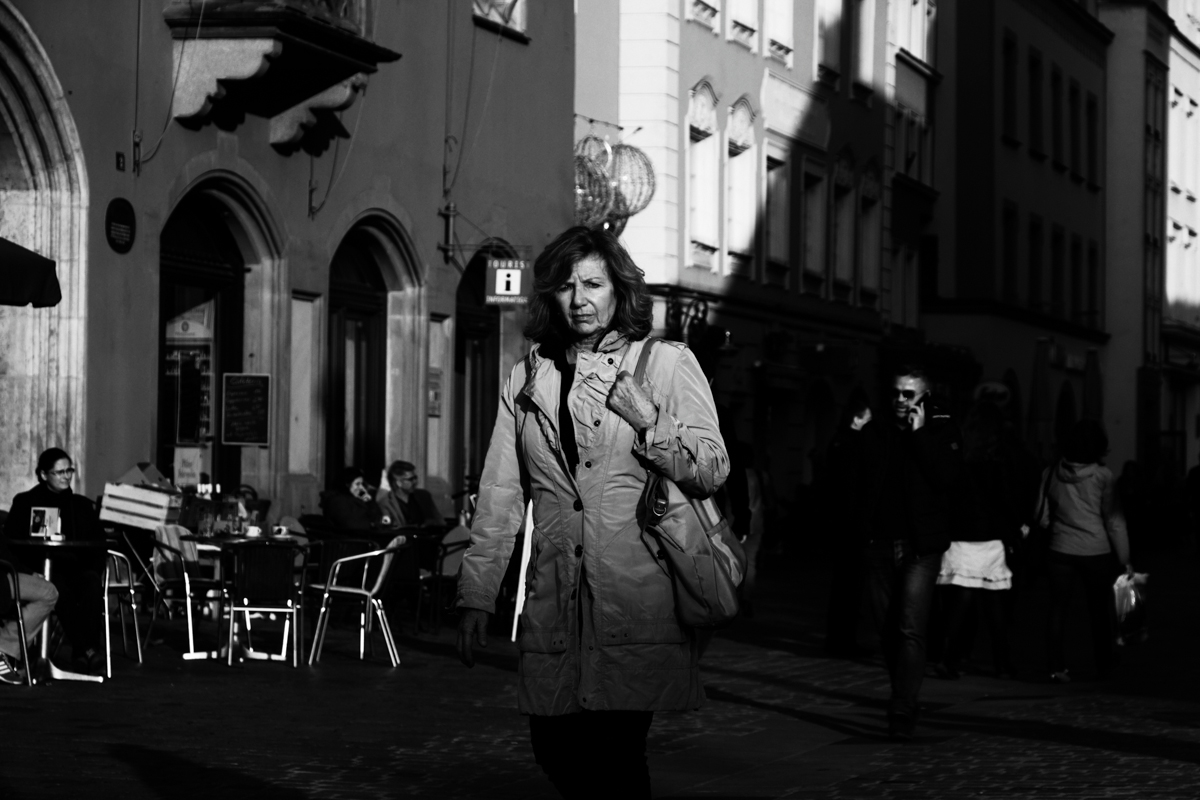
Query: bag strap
x=1045, y=495
x=639, y=373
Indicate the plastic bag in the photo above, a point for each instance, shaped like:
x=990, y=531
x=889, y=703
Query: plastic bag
x=1129, y=594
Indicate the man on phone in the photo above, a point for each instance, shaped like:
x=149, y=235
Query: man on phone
x=911, y=462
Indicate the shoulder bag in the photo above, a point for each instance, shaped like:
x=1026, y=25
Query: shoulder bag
x=692, y=536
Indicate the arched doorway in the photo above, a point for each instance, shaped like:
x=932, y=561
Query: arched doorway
x=476, y=365
x=356, y=390
x=45, y=202
x=201, y=311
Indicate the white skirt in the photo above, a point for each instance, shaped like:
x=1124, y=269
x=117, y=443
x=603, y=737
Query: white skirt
x=978, y=565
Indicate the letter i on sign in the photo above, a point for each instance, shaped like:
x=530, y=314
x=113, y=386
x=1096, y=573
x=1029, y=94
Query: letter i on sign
x=508, y=281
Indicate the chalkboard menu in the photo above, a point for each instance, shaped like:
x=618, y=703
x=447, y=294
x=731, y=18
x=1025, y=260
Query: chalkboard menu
x=246, y=409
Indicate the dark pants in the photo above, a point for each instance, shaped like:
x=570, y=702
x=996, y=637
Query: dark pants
x=594, y=753
x=963, y=606
x=901, y=590
x=1097, y=574
x=80, y=606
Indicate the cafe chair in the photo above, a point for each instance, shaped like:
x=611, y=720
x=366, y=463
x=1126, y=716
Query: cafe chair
x=360, y=578
x=177, y=579
x=261, y=578
x=6, y=570
x=120, y=584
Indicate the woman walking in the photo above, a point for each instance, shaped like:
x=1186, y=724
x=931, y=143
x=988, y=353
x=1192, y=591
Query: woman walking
x=600, y=645
x=1088, y=544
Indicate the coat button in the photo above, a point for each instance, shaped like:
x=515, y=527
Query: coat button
x=610, y=361
x=596, y=423
x=587, y=464
x=578, y=550
x=579, y=505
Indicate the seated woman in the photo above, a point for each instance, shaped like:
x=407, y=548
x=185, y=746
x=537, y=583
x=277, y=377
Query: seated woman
x=405, y=504
x=77, y=576
x=350, y=507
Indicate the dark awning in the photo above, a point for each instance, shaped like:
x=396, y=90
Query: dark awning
x=26, y=277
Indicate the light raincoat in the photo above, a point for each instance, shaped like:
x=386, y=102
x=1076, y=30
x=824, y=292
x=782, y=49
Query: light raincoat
x=598, y=631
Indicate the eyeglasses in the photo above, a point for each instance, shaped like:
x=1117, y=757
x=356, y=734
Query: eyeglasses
x=407, y=479
x=62, y=473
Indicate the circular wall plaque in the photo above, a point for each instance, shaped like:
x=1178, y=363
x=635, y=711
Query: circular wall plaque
x=120, y=225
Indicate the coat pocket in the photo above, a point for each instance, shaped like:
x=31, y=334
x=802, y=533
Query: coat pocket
x=547, y=640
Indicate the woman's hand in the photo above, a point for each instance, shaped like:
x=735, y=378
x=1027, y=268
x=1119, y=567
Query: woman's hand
x=632, y=403
x=471, y=625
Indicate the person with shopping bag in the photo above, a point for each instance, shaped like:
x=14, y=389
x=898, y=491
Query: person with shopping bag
x=601, y=644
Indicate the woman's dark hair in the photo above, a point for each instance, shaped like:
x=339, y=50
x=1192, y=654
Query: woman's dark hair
x=1087, y=442
x=981, y=432
x=49, y=458
x=349, y=475
x=633, y=316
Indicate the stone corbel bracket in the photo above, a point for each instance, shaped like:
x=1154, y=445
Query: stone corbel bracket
x=203, y=64
x=288, y=128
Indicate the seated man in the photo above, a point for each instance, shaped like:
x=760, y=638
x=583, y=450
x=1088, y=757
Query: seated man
x=76, y=576
x=38, y=597
x=405, y=504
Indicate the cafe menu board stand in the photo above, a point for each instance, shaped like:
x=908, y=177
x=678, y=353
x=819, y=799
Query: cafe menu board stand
x=246, y=404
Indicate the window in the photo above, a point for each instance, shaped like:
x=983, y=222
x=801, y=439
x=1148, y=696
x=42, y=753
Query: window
x=705, y=13
x=1008, y=76
x=829, y=34
x=1092, y=307
x=870, y=217
x=843, y=222
x=703, y=177
x=509, y=13
x=1076, y=279
x=741, y=183
x=743, y=22
x=1008, y=253
x=779, y=27
x=814, y=223
x=1037, y=256
x=911, y=24
x=1076, y=131
x=864, y=49
x=1058, y=256
x=1056, y=118
x=778, y=212
x=1093, y=141
x=1036, y=124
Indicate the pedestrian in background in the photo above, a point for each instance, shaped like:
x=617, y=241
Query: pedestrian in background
x=911, y=463
x=1088, y=544
x=600, y=646
x=975, y=578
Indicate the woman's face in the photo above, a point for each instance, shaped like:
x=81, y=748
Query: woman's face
x=587, y=299
x=59, y=478
x=359, y=489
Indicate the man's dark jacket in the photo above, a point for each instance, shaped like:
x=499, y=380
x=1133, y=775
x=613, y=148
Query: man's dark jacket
x=909, y=480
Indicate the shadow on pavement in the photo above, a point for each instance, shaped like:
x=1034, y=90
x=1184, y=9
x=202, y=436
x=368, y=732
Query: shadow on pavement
x=170, y=776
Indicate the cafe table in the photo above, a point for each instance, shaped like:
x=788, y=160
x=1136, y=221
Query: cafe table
x=47, y=548
x=224, y=544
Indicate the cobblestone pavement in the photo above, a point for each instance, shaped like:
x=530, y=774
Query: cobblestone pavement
x=782, y=720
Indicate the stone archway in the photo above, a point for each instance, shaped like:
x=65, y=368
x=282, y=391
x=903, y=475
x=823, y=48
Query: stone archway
x=241, y=220
x=43, y=206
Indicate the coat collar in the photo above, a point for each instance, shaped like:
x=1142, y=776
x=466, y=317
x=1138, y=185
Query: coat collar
x=539, y=365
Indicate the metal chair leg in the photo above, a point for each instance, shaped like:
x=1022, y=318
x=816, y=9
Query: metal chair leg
x=319, y=633
x=388, y=640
